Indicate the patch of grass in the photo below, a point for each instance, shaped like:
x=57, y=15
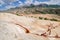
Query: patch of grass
x=17, y=14
x=53, y=19
x=40, y=18
x=31, y=16
x=46, y=19
x=35, y=17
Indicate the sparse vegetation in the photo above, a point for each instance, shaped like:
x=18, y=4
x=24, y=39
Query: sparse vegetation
x=48, y=19
x=53, y=19
x=31, y=16
x=17, y=14
x=36, y=10
x=40, y=18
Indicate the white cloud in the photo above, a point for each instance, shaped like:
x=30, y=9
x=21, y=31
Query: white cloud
x=36, y=3
x=1, y=2
x=9, y=1
x=21, y=4
x=13, y=6
x=9, y=6
x=48, y=2
x=52, y=2
x=28, y=2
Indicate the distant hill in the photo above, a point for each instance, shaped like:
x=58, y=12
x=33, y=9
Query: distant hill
x=36, y=9
x=43, y=5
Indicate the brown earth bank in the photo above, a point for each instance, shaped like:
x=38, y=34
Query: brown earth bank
x=13, y=27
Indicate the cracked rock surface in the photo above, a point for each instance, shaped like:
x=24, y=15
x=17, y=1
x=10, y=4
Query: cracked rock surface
x=13, y=27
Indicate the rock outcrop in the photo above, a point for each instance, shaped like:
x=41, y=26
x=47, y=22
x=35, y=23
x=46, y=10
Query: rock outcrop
x=13, y=27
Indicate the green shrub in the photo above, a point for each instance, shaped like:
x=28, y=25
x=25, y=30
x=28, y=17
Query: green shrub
x=53, y=19
x=46, y=19
x=40, y=18
x=17, y=14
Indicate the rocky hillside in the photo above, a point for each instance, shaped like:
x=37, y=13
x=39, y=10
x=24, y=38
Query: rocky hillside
x=34, y=10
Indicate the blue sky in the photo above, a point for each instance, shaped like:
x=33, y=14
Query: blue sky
x=7, y=4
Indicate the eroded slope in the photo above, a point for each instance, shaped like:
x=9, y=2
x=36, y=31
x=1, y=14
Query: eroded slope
x=13, y=27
